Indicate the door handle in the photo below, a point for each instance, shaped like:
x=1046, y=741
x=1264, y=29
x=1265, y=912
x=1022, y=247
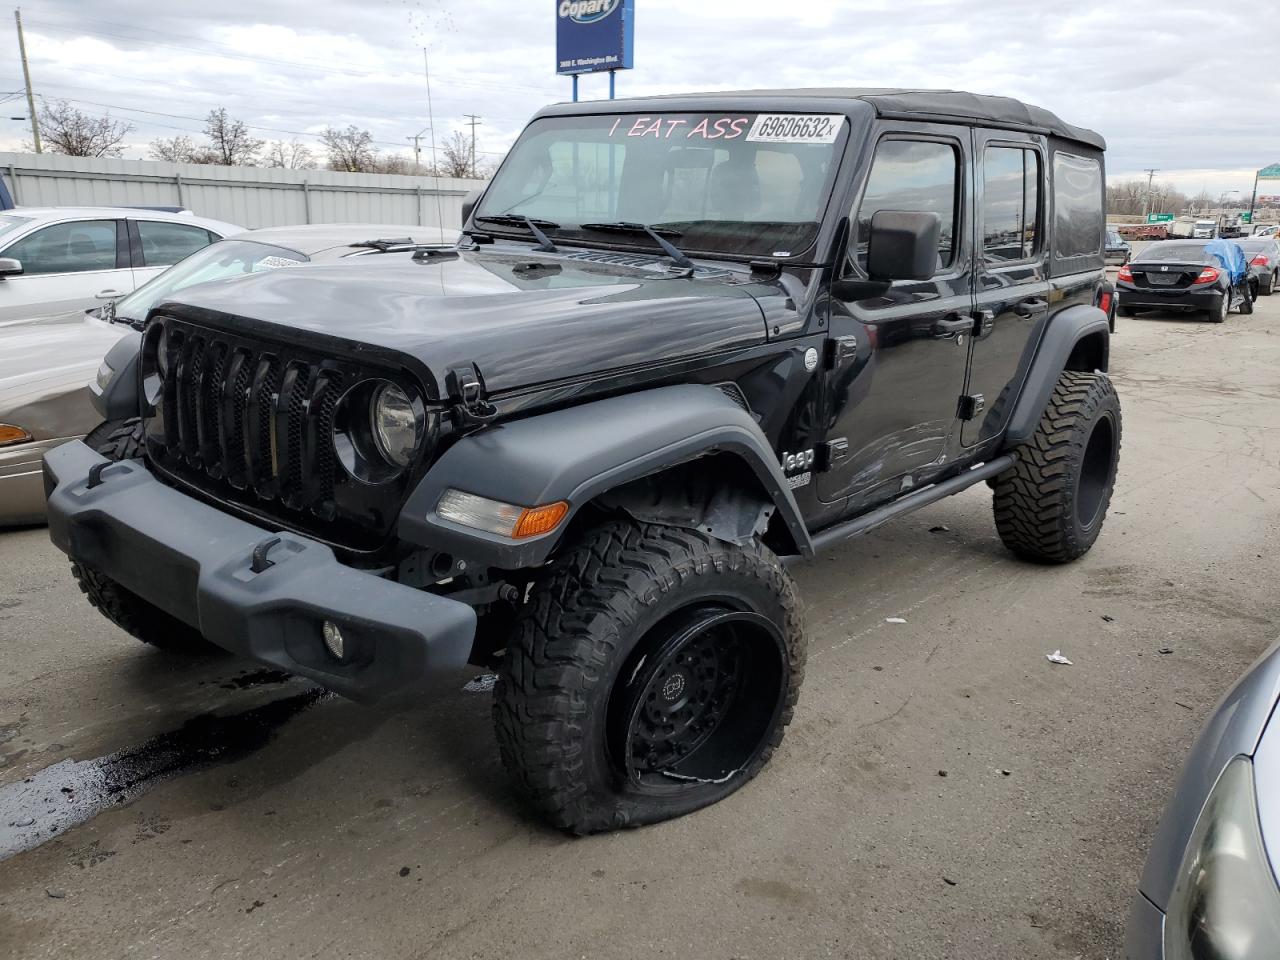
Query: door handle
x=1031, y=308
x=950, y=325
x=108, y=294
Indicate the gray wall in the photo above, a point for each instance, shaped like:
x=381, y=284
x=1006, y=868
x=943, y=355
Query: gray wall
x=249, y=196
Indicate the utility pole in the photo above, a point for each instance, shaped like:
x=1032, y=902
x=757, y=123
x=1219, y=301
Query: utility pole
x=472, y=122
x=1253, y=199
x=26, y=75
x=1146, y=204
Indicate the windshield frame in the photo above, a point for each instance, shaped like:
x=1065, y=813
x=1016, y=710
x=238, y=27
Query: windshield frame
x=849, y=128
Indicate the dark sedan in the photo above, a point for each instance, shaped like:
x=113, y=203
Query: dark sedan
x=1183, y=275
x=1264, y=262
x=1118, y=249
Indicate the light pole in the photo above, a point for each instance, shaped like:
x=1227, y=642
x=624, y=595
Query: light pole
x=417, y=148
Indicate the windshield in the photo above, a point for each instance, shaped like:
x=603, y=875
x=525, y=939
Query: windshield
x=746, y=184
x=1180, y=252
x=9, y=223
x=217, y=261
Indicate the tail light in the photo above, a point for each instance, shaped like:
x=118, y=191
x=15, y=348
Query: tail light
x=1260, y=260
x=1207, y=275
x=1125, y=274
x=1104, y=302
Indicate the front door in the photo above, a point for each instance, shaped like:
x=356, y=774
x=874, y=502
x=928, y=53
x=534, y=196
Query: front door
x=898, y=363
x=66, y=266
x=1011, y=295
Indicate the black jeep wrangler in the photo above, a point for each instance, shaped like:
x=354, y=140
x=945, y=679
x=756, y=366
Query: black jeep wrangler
x=682, y=341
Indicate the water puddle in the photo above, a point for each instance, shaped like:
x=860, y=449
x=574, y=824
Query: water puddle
x=60, y=796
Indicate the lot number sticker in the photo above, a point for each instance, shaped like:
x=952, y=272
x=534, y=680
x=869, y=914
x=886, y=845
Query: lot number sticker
x=795, y=128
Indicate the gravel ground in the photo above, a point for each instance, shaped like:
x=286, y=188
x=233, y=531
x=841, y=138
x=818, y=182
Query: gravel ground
x=945, y=791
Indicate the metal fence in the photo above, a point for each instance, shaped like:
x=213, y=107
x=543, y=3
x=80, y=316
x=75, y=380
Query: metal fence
x=249, y=196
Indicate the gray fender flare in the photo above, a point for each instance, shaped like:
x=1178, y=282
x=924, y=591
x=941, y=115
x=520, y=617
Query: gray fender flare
x=119, y=400
x=581, y=452
x=1063, y=331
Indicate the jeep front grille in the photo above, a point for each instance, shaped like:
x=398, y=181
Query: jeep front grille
x=251, y=423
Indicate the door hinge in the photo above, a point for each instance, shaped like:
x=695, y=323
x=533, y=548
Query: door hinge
x=984, y=322
x=970, y=406
x=829, y=453
x=836, y=350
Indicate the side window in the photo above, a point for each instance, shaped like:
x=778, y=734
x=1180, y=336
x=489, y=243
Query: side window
x=167, y=243
x=1010, y=203
x=913, y=175
x=1078, y=220
x=68, y=248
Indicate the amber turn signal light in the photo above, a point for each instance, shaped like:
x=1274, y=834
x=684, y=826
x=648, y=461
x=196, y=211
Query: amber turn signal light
x=539, y=520
x=11, y=434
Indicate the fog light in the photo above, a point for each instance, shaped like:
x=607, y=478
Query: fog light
x=333, y=639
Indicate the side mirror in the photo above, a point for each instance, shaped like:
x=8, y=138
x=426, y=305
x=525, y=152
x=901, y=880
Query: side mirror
x=903, y=245
x=9, y=267
x=468, y=204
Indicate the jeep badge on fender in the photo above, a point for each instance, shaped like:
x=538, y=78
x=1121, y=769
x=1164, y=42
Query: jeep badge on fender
x=577, y=448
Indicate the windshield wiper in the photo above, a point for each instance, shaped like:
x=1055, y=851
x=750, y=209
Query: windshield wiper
x=534, y=226
x=624, y=226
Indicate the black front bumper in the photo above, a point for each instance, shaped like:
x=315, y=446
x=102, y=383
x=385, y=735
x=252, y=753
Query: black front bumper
x=1172, y=298
x=196, y=563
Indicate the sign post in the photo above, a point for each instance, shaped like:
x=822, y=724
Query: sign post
x=594, y=36
x=1266, y=173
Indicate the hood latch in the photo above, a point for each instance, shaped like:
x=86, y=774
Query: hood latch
x=466, y=390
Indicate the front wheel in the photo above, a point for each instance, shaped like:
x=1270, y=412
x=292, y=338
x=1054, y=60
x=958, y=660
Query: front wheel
x=1050, y=505
x=1270, y=288
x=652, y=672
x=123, y=440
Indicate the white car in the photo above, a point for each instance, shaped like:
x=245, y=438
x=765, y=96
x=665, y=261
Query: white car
x=55, y=259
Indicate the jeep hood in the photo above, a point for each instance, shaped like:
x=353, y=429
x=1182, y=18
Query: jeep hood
x=521, y=318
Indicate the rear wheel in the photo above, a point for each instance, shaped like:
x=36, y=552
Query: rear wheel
x=1270, y=287
x=652, y=672
x=1050, y=506
x=1219, y=313
x=123, y=440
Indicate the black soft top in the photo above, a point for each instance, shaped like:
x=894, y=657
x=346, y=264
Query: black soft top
x=937, y=106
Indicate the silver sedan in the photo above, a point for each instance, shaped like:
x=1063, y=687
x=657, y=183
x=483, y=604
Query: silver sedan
x=47, y=364
x=1209, y=890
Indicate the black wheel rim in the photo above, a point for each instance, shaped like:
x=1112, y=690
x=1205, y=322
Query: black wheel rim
x=1095, y=472
x=696, y=702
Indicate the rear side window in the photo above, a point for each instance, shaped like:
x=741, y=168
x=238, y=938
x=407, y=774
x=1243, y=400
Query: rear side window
x=913, y=175
x=68, y=248
x=167, y=243
x=1010, y=203
x=1078, y=220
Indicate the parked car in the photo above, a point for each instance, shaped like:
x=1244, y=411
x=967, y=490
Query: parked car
x=1268, y=231
x=1209, y=888
x=1118, y=249
x=1186, y=275
x=1264, y=262
x=574, y=448
x=55, y=259
x=46, y=364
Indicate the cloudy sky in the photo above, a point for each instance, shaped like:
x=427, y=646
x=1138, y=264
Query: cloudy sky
x=1189, y=87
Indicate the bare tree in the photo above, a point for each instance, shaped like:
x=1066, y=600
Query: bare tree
x=293, y=155
x=455, y=157
x=181, y=149
x=350, y=150
x=65, y=129
x=230, y=141
x=394, y=163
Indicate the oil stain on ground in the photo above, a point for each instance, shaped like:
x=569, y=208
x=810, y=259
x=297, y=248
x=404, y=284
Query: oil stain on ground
x=57, y=798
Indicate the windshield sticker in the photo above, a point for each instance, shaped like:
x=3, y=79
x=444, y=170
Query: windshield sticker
x=681, y=128
x=795, y=128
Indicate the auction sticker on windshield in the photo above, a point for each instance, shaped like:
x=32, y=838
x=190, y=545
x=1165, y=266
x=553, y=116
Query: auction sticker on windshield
x=795, y=128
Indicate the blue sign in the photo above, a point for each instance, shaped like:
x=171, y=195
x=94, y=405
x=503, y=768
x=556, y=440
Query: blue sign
x=594, y=35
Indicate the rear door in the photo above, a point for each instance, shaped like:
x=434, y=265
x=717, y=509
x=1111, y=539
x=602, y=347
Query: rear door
x=1011, y=292
x=159, y=244
x=898, y=363
x=66, y=266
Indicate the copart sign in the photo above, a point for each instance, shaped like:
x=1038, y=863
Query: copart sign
x=594, y=35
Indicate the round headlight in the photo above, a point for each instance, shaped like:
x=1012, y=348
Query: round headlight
x=397, y=426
